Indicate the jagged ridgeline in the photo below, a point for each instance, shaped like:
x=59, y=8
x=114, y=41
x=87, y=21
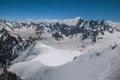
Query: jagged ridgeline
x=84, y=29
x=87, y=29
x=15, y=37
x=11, y=46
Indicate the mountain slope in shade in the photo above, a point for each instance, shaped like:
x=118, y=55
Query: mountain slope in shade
x=98, y=64
x=10, y=46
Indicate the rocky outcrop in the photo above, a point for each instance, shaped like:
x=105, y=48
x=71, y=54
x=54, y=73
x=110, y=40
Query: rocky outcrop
x=86, y=28
x=11, y=46
x=7, y=75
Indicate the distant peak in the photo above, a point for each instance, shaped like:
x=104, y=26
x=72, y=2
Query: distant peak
x=78, y=18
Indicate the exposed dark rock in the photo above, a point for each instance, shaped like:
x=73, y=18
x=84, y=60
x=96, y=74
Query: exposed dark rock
x=7, y=75
x=10, y=46
x=87, y=28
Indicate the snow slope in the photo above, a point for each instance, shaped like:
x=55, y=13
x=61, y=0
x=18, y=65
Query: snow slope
x=89, y=66
x=97, y=64
x=46, y=55
x=84, y=45
x=115, y=25
x=37, y=57
x=60, y=61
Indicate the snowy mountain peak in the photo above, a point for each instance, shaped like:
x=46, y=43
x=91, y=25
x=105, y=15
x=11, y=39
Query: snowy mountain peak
x=74, y=49
x=53, y=21
x=28, y=21
x=115, y=25
x=60, y=29
x=64, y=21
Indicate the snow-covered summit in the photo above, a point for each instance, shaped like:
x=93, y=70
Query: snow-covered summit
x=60, y=29
x=57, y=53
x=115, y=25
x=69, y=22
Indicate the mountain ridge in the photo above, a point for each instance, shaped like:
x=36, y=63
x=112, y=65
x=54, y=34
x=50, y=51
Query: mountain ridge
x=60, y=29
x=51, y=45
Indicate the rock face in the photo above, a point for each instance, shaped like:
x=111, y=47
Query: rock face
x=88, y=29
x=10, y=46
x=84, y=28
x=7, y=75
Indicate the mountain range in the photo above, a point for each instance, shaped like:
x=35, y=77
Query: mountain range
x=38, y=50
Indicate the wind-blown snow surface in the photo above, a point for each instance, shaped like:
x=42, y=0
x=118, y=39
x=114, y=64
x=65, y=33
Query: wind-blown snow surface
x=46, y=55
x=38, y=57
x=36, y=64
x=89, y=66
